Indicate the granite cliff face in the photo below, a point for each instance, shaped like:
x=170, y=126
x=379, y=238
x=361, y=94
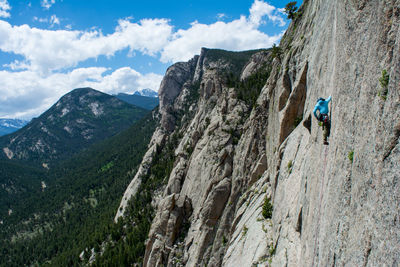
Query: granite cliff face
x=332, y=205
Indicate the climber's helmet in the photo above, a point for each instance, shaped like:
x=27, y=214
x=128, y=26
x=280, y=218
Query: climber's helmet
x=320, y=99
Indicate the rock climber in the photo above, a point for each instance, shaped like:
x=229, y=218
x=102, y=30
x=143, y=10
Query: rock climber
x=322, y=116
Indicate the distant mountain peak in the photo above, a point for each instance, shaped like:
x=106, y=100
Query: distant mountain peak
x=11, y=125
x=146, y=102
x=146, y=92
x=78, y=119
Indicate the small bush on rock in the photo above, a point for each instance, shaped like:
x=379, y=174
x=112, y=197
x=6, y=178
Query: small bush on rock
x=276, y=51
x=290, y=166
x=245, y=229
x=351, y=156
x=298, y=120
x=267, y=209
x=384, y=81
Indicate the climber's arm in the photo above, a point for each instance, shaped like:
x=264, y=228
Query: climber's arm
x=329, y=99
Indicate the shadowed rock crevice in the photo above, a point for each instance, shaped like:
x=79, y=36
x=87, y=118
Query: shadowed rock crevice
x=394, y=141
x=287, y=89
x=367, y=250
x=294, y=107
x=299, y=223
x=307, y=123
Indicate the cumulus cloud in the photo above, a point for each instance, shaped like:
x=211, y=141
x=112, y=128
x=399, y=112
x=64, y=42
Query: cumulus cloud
x=259, y=9
x=36, y=93
x=47, y=54
x=125, y=80
x=240, y=34
x=4, y=8
x=47, y=50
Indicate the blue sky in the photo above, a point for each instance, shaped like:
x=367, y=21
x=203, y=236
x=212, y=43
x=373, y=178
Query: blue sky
x=49, y=47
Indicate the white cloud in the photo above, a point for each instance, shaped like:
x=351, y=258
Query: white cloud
x=4, y=8
x=281, y=10
x=41, y=20
x=33, y=93
x=46, y=54
x=237, y=35
x=38, y=19
x=125, y=80
x=221, y=16
x=54, y=20
x=47, y=50
x=46, y=4
x=259, y=9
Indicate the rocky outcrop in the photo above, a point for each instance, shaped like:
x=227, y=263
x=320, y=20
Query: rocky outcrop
x=332, y=205
x=176, y=77
x=257, y=61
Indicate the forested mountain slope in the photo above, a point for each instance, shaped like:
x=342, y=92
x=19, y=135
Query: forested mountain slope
x=79, y=119
x=74, y=211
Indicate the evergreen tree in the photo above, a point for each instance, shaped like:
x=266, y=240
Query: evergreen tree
x=290, y=10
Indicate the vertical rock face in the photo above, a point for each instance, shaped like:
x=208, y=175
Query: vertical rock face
x=177, y=76
x=332, y=205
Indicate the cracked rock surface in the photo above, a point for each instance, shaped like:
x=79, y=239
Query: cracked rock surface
x=328, y=209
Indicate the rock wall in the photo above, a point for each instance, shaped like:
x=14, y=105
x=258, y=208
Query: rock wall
x=332, y=205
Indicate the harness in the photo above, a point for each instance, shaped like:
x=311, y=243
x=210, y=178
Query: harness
x=323, y=117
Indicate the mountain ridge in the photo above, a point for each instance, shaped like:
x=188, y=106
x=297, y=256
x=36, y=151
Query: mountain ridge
x=79, y=119
x=146, y=92
x=8, y=126
x=145, y=102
